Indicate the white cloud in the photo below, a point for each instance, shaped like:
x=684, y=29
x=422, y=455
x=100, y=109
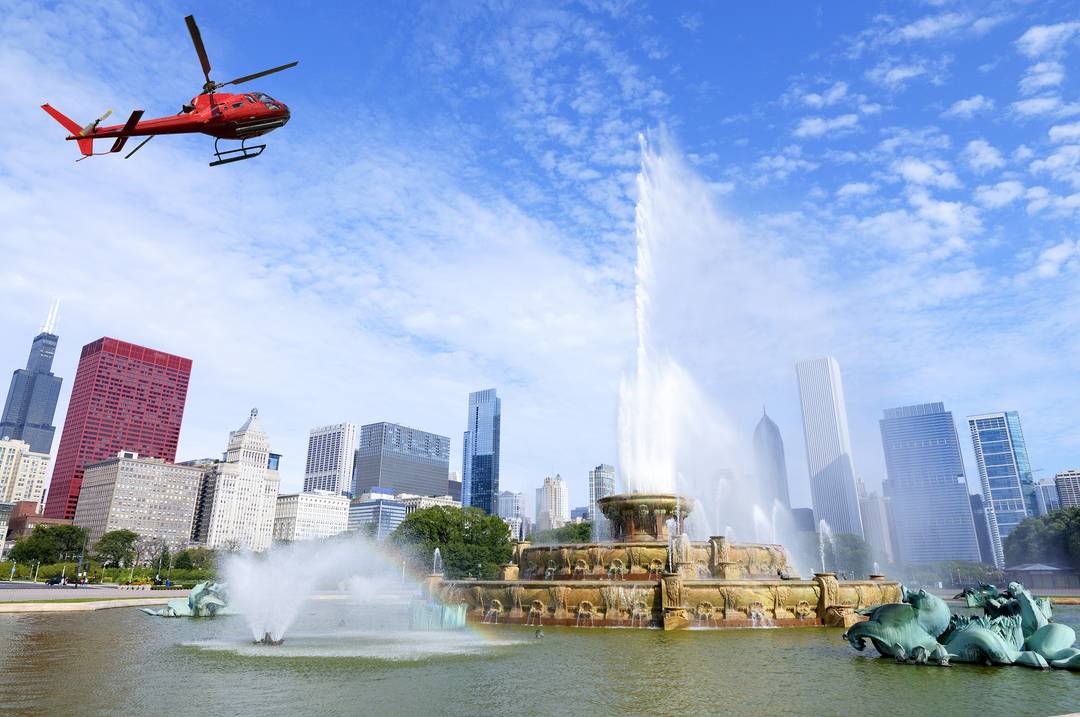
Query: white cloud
x=1060, y=257
x=780, y=166
x=1050, y=105
x=894, y=74
x=981, y=156
x=829, y=97
x=819, y=126
x=969, y=107
x=1040, y=199
x=1041, y=76
x=1062, y=164
x=932, y=26
x=932, y=173
x=1042, y=40
x=1065, y=132
x=870, y=108
x=855, y=189
x=1000, y=194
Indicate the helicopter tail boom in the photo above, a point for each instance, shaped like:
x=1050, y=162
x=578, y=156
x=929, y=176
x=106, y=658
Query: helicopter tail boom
x=86, y=144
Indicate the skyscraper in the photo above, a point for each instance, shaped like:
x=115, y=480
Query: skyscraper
x=147, y=496
x=23, y=473
x=238, y=496
x=982, y=528
x=601, y=485
x=480, y=452
x=927, y=485
x=31, y=399
x=1068, y=488
x=552, y=504
x=828, y=445
x=771, y=465
x=125, y=398
x=877, y=523
x=509, y=504
x=1007, y=484
x=402, y=460
x=1046, y=497
x=330, y=456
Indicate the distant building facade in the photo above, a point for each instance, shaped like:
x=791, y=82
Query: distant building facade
x=238, y=496
x=376, y=513
x=480, y=452
x=147, y=496
x=31, y=399
x=401, y=459
x=982, y=528
x=828, y=445
x=927, y=485
x=453, y=486
x=877, y=525
x=414, y=503
x=125, y=398
x=1008, y=487
x=1046, y=497
x=23, y=473
x=310, y=515
x=552, y=504
x=1068, y=488
x=770, y=465
x=601, y=485
x=331, y=453
x=804, y=520
x=509, y=504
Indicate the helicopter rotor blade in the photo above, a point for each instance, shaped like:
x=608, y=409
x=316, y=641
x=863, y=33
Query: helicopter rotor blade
x=200, y=49
x=139, y=146
x=264, y=73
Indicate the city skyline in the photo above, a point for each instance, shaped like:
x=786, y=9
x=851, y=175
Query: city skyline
x=961, y=152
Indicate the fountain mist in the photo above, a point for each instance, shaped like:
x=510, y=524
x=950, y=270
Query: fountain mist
x=672, y=437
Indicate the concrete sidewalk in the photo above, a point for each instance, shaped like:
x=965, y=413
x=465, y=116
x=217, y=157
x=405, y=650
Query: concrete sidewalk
x=27, y=594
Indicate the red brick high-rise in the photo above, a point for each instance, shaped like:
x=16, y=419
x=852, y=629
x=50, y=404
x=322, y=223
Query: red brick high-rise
x=125, y=398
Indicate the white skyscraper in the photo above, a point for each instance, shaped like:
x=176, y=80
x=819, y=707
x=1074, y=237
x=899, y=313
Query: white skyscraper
x=330, y=456
x=23, y=473
x=238, y=497
x=1068, y=488
x=311, y=515
x=552, y=504
x=828, y=445
x=509, y=504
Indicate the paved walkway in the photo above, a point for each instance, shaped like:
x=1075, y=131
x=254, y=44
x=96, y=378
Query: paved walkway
x=15, y=592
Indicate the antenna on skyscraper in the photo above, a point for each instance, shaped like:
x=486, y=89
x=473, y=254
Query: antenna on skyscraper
x=50, y=321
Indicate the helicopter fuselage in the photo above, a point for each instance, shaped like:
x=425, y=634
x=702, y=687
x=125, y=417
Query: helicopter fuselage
x=220, y=115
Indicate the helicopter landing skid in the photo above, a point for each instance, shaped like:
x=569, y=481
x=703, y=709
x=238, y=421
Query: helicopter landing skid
x=236, y=155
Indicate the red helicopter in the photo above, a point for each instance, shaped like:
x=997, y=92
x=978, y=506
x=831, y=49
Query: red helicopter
x=222, y=116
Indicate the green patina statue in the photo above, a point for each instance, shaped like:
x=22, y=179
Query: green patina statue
x=206, y=599
x=1015, y=629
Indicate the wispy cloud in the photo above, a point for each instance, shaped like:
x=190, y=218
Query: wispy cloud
x=933, y=172
x=821, y=126
x=1043, y=40
x=982, y=157
x=968, y=108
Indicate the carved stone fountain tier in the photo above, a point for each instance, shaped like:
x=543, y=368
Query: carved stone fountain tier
x=643, y=578
x=643, y=517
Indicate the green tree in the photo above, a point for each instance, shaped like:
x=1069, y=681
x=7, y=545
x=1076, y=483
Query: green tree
x=569, y=533
x=849, y=554
x=116, y=548
x=183, y=561
x=466, y=538
x=49, y=544
x=1053, y=538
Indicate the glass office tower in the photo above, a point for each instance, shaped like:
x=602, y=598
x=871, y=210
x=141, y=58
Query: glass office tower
x=1007, y=484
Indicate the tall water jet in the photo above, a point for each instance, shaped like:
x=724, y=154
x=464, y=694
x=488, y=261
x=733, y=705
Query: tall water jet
x=825, y=536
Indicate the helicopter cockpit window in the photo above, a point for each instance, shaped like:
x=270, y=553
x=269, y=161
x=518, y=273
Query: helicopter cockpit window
x=269, y=102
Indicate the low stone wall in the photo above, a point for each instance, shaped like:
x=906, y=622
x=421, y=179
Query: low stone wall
x=670, y=601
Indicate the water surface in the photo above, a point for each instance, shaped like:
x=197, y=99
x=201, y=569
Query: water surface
x=338, y=662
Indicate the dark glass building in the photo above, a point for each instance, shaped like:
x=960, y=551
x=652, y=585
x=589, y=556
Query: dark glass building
x=125, y=398
x=31, y=399
x=401, y=459
x=480, y=452
x=926, y=485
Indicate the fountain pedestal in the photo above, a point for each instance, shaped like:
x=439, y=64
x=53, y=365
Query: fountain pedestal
x=642, y=517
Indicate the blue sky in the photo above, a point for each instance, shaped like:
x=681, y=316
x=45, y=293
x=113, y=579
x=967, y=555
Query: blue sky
x=452, y=205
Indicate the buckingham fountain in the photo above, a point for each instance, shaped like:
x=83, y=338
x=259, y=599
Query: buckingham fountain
x=651, y=574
